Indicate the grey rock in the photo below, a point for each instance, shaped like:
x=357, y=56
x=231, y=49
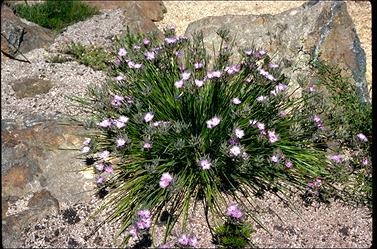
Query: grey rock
x=18, y=35
x=317, y=29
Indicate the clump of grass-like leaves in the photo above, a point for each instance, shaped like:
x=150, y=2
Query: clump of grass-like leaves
x=55, y=14
x=95, y=57
x=173, y=129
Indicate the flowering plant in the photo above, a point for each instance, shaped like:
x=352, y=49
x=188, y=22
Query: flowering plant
x=174, y=126
x=235, y=232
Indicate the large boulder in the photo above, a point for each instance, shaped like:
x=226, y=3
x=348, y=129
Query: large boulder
x=19, y=35
x=138, y=18
x=139, y=15
x=317, y=29
x=154, y=10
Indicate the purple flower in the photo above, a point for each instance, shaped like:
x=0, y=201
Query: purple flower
x=136, y=47
x=312, y=88
x=148, y=117
x=119, y=124
x=318, y=181
x=193, y=242
x=232, y=69
x=146, y=42
x=123, y=119
x=179, y=53
x=117, y=62
x=236, y=101
x=85, y=149
x=117, y=101
x=170, y=40
x=214, y=74
x=281, y=87
x=138, y=65
x=100, y=180
x=261, y=98
x=235, y=150
x=157, y=123
x=282, y=114
x=316, y=118
x=105, y=123
x=105, y=155
x=248, y=52
x=122, y=52
x=179, y=84
x=145, y=214
x=260, y=126
x=275, y=158
x=149, y=55
x=198, y=65
x=273, y=65
x=183, y=38
x=249, y=79
x=262, y=52
x=362, y=137
x=120, y=142
x=186, y=75
x=272, y=137
x=288, y=164
x=147, y=146
x=87, y=141
x=144, y=224
x=131, y=64
x=165, y=180
x=263, y=72
x=365, y=161
x=311, y=184
x=205, y=164
x=234, y=212
x=270, y=77
x=119, y=78
x=213, y=122
x=336, y=158
x=253, y=122
x=184, y=240
x=239, y=133
x=109, y=169
x=199, y=83
x=100, y=167
x=165, y=246
x=133, y=231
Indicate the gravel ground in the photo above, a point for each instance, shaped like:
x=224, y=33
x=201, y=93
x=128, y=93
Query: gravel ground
x=321, y=225
x=100, y=30
x=316, y=226
x=69, y=78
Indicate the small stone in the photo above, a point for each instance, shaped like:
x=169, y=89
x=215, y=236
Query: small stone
x=30, y=87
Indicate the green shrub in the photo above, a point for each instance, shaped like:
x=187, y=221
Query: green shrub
x=55, y=14
x=58, y=59
x=95, y=57
x=334, y=98
x=172, y=130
